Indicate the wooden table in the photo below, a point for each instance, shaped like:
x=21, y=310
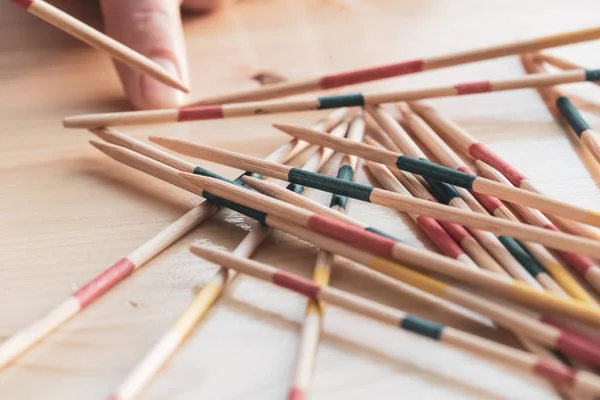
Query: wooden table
x=67, y=212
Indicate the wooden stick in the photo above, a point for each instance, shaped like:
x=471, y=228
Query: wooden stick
x=23, y=340
x=98, y=40
x=555, y=372
x=556, y=240
x=234, y=110
x=558, y=62
x=390, y=182
x=167, y=345
x=265, y=209
x=530, y=266
x=409, y=185
x=447, y=175
x=403, y=68
x=445, y=235
x=311, y=327
x=292, y=148
x=447, y=195
x=570, y=114
x=584, y=266
x=478, y=151
x=325, y=124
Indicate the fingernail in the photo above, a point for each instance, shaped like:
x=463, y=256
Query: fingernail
x=157, y=94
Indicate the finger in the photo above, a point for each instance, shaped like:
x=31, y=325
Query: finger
x=153, y=28
x=204, y=5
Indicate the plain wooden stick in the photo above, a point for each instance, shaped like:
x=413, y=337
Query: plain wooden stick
x=100, y=41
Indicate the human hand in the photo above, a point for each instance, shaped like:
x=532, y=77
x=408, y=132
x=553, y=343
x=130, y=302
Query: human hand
x=152, y=28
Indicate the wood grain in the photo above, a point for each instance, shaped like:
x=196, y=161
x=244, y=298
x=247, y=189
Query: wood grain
x=67, y=212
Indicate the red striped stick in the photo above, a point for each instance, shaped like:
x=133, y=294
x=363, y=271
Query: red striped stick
x=403, y=68
x=28, y=337
x=235, y=110
x=443, y=234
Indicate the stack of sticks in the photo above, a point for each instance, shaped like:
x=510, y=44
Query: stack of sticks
x=506, y=251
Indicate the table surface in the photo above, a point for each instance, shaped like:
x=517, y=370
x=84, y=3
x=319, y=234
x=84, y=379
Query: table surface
x=67, y=212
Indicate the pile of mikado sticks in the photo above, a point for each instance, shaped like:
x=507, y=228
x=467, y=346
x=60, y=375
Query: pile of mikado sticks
x=548, y=297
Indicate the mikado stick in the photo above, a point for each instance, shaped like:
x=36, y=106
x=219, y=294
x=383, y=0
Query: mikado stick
x=306, y=352
x=447, y=175
x=100, y=41
x=405, y=67
x=235, y=110
x=558, y=62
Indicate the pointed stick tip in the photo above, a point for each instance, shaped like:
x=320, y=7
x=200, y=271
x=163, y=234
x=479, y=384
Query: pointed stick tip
x=283, y=127
x=181, y=86
x=103, y=147
x=250, y=179
x=201, y=250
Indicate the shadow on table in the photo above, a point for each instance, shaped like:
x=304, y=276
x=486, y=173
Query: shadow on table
x=127, y=181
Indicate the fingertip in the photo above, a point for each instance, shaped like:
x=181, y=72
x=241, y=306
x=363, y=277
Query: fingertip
x=153, y=94
x=152, y=28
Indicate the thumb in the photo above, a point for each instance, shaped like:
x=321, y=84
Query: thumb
x=152, y=28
